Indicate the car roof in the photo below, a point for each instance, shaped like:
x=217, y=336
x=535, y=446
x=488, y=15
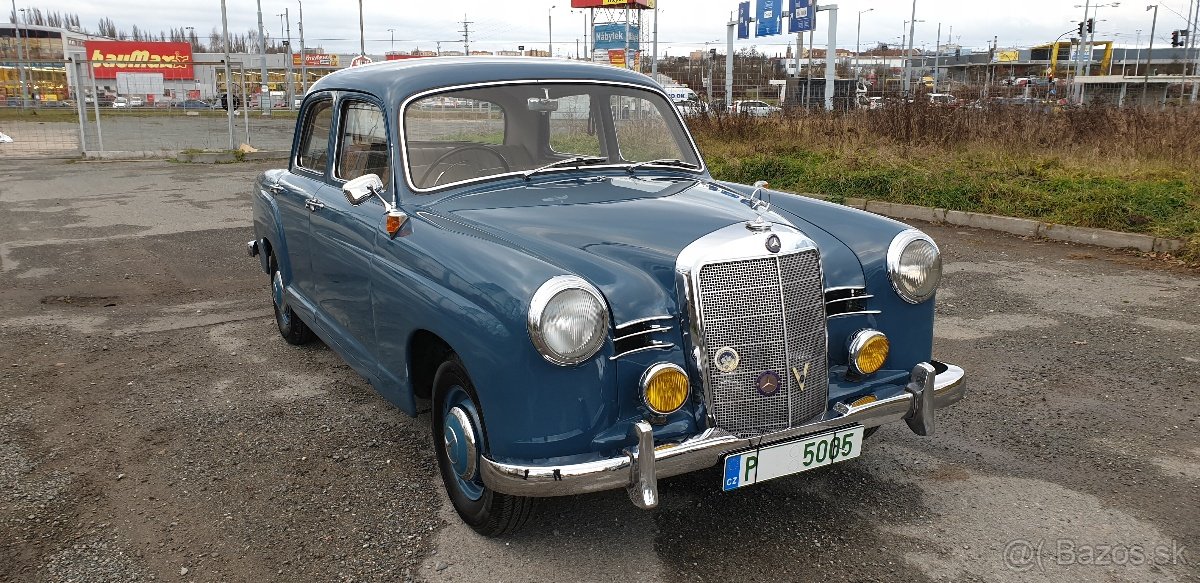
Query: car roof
x=394, y=81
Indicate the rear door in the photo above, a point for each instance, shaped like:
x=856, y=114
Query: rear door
x=297, y=189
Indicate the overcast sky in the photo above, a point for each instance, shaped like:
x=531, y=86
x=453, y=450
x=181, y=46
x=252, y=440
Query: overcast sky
x=683, y=24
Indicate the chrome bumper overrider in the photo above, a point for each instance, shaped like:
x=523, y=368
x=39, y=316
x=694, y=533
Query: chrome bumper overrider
x=641, y=466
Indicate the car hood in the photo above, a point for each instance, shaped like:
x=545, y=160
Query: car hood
x=624, y=234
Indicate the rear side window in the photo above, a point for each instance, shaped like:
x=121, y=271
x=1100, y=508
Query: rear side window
x=362, y=144
x=314, y=142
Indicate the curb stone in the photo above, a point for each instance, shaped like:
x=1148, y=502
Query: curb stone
x=1015, y=226
x=184, y=156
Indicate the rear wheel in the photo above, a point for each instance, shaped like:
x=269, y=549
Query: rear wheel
x=291, y=328
x=459, y=443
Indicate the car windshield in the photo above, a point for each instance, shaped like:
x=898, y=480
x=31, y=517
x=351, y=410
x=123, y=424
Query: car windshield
x=485, y=132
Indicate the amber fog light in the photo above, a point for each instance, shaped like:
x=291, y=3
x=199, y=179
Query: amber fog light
x=664, y=388
x=868, y=351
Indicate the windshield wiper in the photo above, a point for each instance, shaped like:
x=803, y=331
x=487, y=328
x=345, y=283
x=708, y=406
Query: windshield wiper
x=577, y=161
x=663, y=162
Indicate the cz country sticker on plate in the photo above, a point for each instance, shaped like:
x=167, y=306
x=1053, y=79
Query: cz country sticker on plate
x=774, y=461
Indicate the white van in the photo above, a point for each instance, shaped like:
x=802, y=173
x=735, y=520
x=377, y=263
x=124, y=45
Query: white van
x=680, y=93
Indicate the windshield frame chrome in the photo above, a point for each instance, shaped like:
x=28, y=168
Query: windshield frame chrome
x=403, y=133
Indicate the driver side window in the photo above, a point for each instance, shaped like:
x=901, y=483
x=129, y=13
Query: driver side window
x=362, y=143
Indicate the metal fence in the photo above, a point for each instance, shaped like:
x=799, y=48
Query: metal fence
x=55, y=108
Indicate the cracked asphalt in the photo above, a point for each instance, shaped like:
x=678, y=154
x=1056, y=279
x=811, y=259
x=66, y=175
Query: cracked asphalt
x=153, y=426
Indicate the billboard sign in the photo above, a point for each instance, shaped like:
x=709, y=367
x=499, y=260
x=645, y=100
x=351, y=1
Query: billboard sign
x=316, y=60
x=612, y=36
x=617, y=58
x=173, y=60
x=743, y=20
x=803, y=16
x=769, y=18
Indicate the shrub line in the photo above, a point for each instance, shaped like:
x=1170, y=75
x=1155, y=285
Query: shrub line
x=1013, y=225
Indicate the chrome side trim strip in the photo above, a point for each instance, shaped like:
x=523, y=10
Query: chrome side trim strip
x=843, y=288
x=641, y=321
x=634, y=470
x=843, y=314
x=639, y=333
x=655, y=345
x=849, y=299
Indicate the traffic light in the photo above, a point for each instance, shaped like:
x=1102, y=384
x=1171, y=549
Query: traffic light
x=1175, y=39
x=1091, y=25
x=1082, y=26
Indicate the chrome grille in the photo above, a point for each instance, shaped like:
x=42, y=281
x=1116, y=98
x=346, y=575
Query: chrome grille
x=770, y=310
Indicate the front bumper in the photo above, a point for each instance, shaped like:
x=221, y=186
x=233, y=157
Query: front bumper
x=932, y=386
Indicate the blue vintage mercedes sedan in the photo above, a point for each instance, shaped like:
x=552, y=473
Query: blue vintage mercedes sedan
x=534, y=250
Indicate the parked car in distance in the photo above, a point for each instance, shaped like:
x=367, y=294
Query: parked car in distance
x=193, y=104
x=754, y=108
x=137, y=102
x=943, y=100
x=120, y=103
x=689, y=108
x=577, y=302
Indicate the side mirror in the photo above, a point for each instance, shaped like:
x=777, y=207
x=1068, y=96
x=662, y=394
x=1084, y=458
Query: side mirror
x=357, y=191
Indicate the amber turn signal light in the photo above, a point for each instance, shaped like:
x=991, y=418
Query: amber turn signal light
x=664, y=388
x=395, y=221
x=868, y=351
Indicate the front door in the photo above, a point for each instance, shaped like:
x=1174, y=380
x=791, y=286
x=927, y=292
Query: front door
x=344, y=235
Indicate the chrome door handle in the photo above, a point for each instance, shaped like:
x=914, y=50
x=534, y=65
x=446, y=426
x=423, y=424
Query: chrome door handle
x=276, y=188
x=313, y=204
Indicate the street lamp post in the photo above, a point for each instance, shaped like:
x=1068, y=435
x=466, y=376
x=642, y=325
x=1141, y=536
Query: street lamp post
x=908, y=59
x=1149, y=51
x=1137, y=61
x=392, y=36
x=858, y=41
x=550, y=30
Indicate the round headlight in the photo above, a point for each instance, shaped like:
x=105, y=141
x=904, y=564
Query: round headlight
x=568, y=320
x=914, y=266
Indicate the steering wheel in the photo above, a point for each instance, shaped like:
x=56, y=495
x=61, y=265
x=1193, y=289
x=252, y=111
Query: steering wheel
x=442, y=160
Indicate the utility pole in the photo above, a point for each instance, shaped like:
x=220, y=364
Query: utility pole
x=1194, y=44
x=264, y=96
x=466, y=30
x=1186, y=47
x=937, y=59
x=303, y=53
x=1149, y=52
x=20, y=57
x=362, y=38
x=730, y=33
x=392, y=36
x=912, y=27
x=654, y=60
x=228, y=75
x=289, y=91
x=831, y=54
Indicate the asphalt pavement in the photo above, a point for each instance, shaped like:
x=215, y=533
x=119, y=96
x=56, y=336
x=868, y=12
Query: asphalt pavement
x=153, y=426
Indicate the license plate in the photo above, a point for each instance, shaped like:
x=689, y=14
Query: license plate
x=773, y=461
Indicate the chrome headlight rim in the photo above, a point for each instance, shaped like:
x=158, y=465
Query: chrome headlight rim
x=654, y=370
x=537, y=308
x=896, y=250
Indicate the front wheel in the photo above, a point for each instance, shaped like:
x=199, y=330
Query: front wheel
x=459, y=442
